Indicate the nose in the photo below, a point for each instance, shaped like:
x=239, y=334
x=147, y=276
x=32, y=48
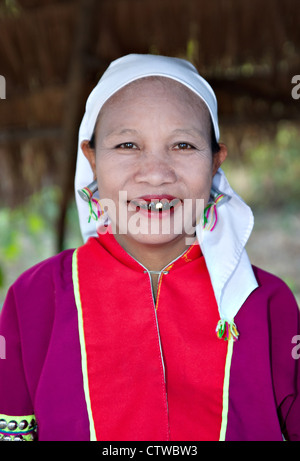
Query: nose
x=155, y=168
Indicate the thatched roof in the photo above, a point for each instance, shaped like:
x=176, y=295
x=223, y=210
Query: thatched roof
x=53, y=52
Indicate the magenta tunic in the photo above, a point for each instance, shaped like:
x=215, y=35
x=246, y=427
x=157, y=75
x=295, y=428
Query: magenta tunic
x=42, y=372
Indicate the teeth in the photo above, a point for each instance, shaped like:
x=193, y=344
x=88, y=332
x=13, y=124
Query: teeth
x=157, y=205
x=162, y=205
x=151, y=206
x=174, y=202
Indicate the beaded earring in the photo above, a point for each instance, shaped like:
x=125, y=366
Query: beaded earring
x=87, y=195
x=210, y=215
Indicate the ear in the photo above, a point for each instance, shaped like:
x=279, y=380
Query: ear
x=219, y=157
x=90, y=154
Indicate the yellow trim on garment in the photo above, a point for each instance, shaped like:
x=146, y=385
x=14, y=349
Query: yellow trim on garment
x=82, y=345
x=226, y=391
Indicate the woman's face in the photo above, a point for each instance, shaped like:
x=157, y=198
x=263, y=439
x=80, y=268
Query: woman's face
x=153, y=161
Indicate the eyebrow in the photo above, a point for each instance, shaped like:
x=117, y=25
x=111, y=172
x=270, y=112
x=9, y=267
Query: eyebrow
x=121, y=132
x=179, y=131
x=191, y=131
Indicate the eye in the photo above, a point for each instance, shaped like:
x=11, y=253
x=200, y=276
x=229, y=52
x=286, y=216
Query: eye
x=183, y=146
x=126, y=145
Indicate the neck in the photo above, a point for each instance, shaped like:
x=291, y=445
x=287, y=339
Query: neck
x=154, y=256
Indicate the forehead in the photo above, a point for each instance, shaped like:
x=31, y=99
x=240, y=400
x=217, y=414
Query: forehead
x=157, y=84
x=157, y=89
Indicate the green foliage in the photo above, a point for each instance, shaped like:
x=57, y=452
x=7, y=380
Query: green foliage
x=30, y=220
x=1, y=277
x=276, y=168
x=269, y=176
x=9, y=8
x=28, y=234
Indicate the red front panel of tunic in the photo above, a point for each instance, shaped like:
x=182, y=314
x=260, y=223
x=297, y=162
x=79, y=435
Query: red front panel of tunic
x=194, y=356
x=126, y=349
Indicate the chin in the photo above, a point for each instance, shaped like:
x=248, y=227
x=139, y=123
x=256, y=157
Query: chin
x=160, y=229
x=159, y=239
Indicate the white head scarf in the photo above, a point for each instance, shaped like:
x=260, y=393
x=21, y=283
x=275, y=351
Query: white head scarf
x=223, y=248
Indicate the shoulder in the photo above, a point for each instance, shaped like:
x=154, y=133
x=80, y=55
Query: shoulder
x=271, y=285
x=43, y=278
x=270, y=314
x=274, y=297
x=46, y=267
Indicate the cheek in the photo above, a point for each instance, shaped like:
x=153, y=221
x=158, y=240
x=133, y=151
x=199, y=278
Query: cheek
x=107, y=178
x=199, y=179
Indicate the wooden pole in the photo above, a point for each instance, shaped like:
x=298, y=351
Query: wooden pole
x=73, y=105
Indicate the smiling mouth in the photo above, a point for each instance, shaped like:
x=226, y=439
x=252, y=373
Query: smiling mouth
x=155, y=204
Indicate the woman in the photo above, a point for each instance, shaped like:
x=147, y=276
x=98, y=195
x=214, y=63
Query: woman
x=117, y=339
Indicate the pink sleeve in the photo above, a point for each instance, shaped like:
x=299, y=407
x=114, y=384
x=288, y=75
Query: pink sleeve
x=17, y=419
x=285, y=354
